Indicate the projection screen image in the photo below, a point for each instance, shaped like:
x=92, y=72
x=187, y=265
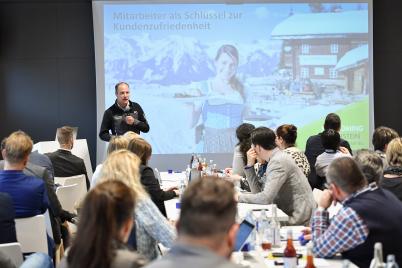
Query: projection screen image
x=200, y=70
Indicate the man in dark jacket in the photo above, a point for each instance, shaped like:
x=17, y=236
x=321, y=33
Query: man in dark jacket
x=124, y=115
x=314, y=148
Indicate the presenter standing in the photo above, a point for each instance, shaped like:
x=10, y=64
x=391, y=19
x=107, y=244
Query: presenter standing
x=124, y=115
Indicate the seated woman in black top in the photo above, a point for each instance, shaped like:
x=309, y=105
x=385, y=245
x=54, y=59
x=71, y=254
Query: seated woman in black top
x=392, y=179
x=143, y=150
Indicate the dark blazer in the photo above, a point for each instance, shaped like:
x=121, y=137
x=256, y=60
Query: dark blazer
x=65, y=164
x=152, y=186
x=313, y=149
x=7, y=216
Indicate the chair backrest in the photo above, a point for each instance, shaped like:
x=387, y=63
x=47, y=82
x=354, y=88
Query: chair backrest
x=31, y=234
x=13, y=252
x=81, y=181
x=48, y=223
x=68, y=196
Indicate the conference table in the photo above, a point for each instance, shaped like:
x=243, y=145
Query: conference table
x=255, y=258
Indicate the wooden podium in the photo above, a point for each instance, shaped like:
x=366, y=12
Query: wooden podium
x=80, y=149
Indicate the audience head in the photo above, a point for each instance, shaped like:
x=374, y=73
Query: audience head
x=130, y=135
x=142, y=149
x=123, y=165
x=208, y=212
x=370, y=164
x=382, y=136
x=394, y=153
x=16, y=148
x=65, y=137
x=117, y=143
x=263, y=137
x=346, y=176
x=286, y=136
x=330, y=139
x=332, y=121
x=243, y=133
x=106, y=219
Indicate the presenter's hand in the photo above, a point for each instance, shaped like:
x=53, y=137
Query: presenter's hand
x=129, y=120
x=251, y=157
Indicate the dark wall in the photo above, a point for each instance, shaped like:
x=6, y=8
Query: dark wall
x=388, y=63
x=47, y=69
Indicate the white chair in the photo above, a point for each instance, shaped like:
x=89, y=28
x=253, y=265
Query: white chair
x=68, y=196
x=31, y=234
x=13, y=252
x=81, y=181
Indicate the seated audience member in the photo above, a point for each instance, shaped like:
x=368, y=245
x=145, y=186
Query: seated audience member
x=115, y=143
x=330, y=141
x=286, y=185
x=151, y=227
x=130, y=135
x=240, y=151
x=42, y=160
x=392, y=179
x=105, y=222
x=369, y=215
x=381, y=137
x=57, y=214
x=314, y=148
x=206, y=229
x=370, y=164
x=143, y=150
x=286, y=136
x=256, y=175
x=7, y=216
x=65, y=164
x=28, y=193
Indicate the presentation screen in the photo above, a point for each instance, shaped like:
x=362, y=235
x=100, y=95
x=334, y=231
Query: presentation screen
x=199, y=70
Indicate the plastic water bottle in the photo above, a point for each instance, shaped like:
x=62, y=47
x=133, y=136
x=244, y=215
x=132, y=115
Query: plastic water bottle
x=391, y=263
x=275, y=227
x=264, y=232
x=378, y=260
x=188, y=174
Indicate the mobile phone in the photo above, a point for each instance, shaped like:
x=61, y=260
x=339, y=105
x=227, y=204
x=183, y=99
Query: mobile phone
x=280, y=254
x=244, y=232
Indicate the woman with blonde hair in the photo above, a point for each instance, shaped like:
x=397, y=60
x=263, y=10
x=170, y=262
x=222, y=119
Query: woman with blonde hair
x=115, y=143
x=151, y=227
x=392, y=179
x=105, y=223
x=143, y=150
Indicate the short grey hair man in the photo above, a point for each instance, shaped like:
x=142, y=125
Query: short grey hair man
x=370, y=163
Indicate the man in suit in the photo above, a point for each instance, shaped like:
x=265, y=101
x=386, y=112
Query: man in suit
x=285, y=185
x=207, y=228
x=65, y=164
x=7, y=216
x=43, y=161
x=314, y=148
x=28, y=193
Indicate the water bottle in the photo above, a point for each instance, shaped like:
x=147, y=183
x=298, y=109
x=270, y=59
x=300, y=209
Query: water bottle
x=391, y=263
x=264, y=232
x=188, y=174
x=275, y=227
x=378, y=260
